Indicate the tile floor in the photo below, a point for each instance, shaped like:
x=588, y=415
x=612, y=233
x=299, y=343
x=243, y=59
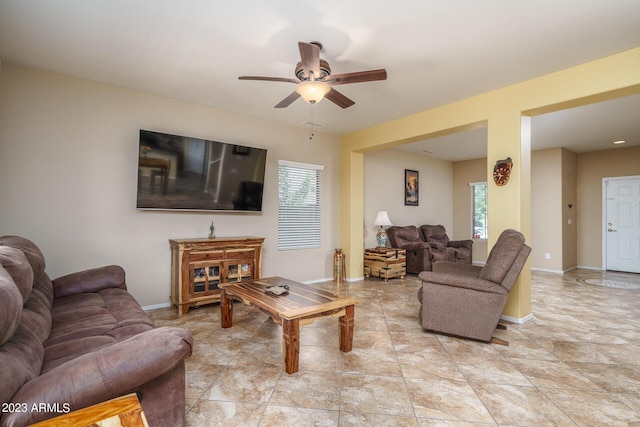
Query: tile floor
x=577, y=362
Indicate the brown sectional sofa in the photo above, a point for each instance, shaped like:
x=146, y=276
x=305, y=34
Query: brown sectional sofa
x=81, y=339
x=428, y=244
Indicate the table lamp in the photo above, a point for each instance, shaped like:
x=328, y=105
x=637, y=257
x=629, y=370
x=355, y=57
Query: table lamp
x=382, y=219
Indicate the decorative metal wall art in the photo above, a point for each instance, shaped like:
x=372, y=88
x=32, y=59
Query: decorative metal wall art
x=502, y=171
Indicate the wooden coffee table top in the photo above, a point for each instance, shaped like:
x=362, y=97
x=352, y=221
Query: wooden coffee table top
x=301, y=300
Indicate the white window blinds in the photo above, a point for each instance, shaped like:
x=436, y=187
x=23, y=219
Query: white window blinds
x=298, y=205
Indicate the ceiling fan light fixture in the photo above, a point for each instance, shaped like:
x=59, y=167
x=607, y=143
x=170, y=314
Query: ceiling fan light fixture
x=312, y=91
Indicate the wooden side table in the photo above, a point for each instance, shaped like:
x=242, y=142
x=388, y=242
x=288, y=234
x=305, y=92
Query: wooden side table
x=124, y=411
x=385, y=263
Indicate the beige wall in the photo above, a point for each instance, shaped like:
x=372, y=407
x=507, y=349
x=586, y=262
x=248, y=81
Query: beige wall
x=569, y=217
x=384, y=190
x=68, y=168
x=591, y=168
x=546, y=206
x=559, y=178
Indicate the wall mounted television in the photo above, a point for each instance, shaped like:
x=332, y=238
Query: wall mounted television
x=192, y=174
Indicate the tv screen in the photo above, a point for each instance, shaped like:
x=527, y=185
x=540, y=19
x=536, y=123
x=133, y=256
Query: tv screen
x=183, y=173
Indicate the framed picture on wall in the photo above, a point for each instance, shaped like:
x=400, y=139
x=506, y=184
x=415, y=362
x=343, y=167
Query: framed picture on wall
x=410, y=188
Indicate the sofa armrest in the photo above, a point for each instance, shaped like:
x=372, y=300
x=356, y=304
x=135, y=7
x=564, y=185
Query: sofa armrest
x=469, y=270
x=415, y=246
x=461, y=243
x=107, y=373
x=92, y=280
x=461, y=281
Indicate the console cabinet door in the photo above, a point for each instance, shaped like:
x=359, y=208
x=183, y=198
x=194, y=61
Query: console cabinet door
x=239, y=270
x=204, y=278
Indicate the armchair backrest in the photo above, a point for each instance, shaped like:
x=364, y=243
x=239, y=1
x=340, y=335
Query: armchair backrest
x=399, y=236
x=434, y=234
x=506, y=259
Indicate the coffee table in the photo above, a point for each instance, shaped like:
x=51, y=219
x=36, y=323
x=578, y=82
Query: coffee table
x=302, y=305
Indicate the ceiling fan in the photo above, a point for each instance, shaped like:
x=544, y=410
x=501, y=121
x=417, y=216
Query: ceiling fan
x=315, y=81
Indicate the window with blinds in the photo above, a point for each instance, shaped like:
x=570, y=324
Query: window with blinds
x=298, y=205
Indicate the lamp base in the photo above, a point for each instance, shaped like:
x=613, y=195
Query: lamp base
x=381, y=237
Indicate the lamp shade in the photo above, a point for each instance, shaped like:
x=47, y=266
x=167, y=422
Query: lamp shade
x=382, y=219
x=313, y=91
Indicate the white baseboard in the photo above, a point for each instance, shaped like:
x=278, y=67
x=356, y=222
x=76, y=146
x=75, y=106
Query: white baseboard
x=557, y=271
x=155, y=306
x=589, y=268
x=518, y=320
x=547, y=270
x=311, y=282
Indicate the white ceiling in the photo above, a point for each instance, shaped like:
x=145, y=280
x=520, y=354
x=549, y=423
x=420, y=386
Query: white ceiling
x=435, y=52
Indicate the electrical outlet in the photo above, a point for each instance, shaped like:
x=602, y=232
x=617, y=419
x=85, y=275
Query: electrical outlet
x=547, y=255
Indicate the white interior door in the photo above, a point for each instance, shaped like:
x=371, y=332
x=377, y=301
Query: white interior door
x=622, y=224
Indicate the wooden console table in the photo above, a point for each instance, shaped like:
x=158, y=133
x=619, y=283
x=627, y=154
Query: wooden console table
x=199, y=265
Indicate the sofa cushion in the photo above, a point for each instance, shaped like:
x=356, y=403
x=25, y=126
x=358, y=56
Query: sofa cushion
x=407, y=233
x=22, y=353
x=30, y=250
x=20, y=361
x=84, y=323
x=435, y=235
x=10, y=306
x=16, y=264
x=502, y=256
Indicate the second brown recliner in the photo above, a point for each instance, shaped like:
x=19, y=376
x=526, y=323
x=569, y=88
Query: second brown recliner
x=422, y=253
x=409, y=238
x=443, y=249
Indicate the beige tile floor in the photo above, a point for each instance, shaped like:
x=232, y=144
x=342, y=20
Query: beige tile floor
x=577, y=362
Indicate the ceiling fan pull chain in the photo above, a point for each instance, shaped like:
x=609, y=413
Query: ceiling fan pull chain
x=310, y=121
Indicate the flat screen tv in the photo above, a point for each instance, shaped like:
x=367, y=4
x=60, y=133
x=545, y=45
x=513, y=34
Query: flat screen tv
x=192, y=174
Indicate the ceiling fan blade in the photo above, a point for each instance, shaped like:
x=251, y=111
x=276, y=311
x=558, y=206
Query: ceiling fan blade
x=269, y=79
x=310, y=56
x=357, y=77
x=339, y=99
x=288, y=100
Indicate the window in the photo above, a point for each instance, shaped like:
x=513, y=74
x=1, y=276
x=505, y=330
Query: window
x=298, y=205
x=479, y=209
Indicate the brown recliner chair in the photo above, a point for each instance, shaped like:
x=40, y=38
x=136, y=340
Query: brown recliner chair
x=409, y=238
x=443, y=249
x=468, y=300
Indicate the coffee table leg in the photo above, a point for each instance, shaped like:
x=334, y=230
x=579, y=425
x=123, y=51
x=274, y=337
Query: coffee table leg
x=291, y=344
x=226, y=309
x=346, y=329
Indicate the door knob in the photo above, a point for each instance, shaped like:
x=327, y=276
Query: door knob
x=611, y=230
